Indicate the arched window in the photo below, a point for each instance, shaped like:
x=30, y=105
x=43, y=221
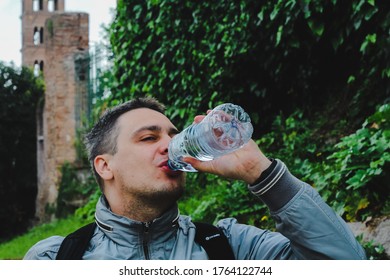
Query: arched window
x=37, y=36
x=41, y=35
x=52, y=5
x=37, y=5
x=41, y=66
x=36, y=68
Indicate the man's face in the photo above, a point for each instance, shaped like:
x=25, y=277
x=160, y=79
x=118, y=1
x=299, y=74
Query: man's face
x=140, y=164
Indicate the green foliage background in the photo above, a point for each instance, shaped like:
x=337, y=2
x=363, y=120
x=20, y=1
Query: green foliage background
x=20, y=93
x=309, y=73
x=268, y=56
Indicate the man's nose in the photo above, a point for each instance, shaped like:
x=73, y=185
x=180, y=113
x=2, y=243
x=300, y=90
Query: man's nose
x=165, y=143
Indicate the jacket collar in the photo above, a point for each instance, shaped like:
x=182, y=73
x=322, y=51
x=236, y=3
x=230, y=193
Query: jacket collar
x=123, y=230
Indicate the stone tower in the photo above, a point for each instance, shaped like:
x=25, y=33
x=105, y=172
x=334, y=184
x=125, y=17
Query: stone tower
x=55, y=45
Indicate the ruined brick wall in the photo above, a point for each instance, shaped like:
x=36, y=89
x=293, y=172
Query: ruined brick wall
x=67, y=40
x=64, y=47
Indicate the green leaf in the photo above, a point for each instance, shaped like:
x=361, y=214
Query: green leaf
x=363, y=203
x=316, y=27
x=370, y=39
x=279, y=34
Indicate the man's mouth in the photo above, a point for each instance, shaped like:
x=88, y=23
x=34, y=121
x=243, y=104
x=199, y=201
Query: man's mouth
x=163, y=164
x=165, y=167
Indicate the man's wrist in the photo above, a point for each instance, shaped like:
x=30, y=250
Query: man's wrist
x=252, y=174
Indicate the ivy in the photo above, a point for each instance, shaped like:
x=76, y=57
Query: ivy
x=301, y=59
x=75, y=189
x=263, y=55
x=354, y=178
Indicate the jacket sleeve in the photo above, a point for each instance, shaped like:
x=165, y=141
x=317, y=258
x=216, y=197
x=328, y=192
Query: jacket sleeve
x=307, y=228
x=45, y=249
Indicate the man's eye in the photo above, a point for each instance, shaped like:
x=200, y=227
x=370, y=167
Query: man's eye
x=149, y=138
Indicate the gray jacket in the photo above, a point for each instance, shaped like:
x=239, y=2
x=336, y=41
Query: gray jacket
x=307, y=228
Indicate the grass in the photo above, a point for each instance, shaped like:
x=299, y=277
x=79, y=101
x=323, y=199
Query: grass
x=16, y=248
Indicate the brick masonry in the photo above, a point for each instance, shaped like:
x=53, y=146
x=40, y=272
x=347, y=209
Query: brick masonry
x=64, y=45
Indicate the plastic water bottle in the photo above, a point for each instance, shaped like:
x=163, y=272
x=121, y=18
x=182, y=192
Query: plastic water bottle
x=225, y=129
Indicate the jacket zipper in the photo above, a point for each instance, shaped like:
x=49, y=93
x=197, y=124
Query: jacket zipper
x=145, y=242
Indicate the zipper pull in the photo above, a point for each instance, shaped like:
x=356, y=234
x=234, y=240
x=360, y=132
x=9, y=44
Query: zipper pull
x=146, y=226
x=145, y=242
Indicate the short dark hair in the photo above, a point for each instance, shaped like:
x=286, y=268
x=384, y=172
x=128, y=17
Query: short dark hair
x=102, y=139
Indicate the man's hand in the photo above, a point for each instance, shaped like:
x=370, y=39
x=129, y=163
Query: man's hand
x=246, y=163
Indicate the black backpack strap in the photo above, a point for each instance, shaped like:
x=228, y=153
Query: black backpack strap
x=211, y=238
x=214, y=241
x=75, y=244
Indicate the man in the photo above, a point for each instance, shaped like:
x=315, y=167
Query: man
x=138, y=218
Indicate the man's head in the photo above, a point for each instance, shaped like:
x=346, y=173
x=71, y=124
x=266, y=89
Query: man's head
x=128, y=151
x=102, y=139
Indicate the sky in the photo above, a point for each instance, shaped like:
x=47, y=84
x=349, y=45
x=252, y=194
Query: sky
x=100, y=12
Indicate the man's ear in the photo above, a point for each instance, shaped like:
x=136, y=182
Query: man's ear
x=102, y=167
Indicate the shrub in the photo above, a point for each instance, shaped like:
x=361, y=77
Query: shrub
x=355, y=178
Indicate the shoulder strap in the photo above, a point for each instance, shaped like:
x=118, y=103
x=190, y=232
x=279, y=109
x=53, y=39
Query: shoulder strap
x=75, y=244
x=211, y=238
x=214, y=241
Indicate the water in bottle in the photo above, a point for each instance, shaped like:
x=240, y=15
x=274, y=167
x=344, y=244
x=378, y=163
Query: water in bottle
x=225, y=129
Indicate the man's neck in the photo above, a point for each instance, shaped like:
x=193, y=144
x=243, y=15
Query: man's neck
x=138, y=210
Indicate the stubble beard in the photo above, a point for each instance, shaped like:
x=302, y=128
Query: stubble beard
x=163, y=195
x=160, y=198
